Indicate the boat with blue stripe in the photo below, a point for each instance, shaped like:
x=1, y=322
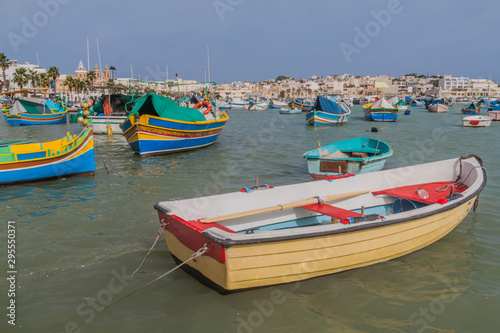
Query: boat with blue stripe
x=352, y=156
x=157, y=125
x=69, y=156
x=36, y=111
x=327, y=112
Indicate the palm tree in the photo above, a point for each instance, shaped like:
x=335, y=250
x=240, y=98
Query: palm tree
x=4, y=63
x=33, y=76
x=69, y=82
x=44, y=80
x=91, y=77
x=20, y=77
x=54, y=74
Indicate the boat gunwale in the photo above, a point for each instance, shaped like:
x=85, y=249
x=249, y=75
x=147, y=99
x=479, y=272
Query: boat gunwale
x=137, y=122
x=83, y=138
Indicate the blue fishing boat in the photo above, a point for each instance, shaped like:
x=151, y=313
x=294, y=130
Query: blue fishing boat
x=277, y=105
x=36, y=111
x=327, y=112
x=71, y=155
x=352, y=156
x=290, y=111
x=157, y=125
x=471, y=109
x=302, y=104
x=381, y=110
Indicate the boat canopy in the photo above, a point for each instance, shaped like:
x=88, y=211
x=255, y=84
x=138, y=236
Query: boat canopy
x=29, y=105
x=326, y=105
x=382, y=104
x=118, y=102
x=163, y=107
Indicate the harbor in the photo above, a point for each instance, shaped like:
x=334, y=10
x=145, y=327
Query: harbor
x=240, y=166
x=80, y=238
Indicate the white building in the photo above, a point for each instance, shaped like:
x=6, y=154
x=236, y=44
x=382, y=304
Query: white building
x=448, y=82
x=14, y=64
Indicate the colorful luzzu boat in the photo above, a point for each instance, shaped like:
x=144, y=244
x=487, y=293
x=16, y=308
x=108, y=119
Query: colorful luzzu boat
x=327, y=112
x=36, y=111
x=302, y=104
x=71, y=155
x=291, y=233
x=381, y=110
x=157, y=125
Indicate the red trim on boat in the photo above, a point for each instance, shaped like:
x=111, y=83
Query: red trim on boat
x=347, y=175
x=189, y=234
x=429, y=193
x=336, y=212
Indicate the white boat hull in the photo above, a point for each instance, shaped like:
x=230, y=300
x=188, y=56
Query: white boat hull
x=100, y=124
x=476, y=121
x=438, y=108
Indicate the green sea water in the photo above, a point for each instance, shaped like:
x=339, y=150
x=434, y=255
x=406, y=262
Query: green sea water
x=78, y=239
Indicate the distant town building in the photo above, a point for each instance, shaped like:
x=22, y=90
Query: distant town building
x=81, y=72
x=448, y=82
x=14, y=64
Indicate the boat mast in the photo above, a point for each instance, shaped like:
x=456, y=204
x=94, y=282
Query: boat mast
x=208, y=60
x=88, y=55
x=99, y=55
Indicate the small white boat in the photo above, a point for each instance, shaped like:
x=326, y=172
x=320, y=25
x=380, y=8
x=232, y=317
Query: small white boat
x=476, y=121
x=260, y=106
x=268, y=236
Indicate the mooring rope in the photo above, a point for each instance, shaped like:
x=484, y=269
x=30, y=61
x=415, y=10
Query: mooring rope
x=195, y=255
x=151, y=249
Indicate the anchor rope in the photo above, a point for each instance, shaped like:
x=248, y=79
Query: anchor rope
x=162, y=225
x=195, y=255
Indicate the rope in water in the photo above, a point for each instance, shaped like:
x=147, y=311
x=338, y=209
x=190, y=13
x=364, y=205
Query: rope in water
x=195, y=255
x=156, y=240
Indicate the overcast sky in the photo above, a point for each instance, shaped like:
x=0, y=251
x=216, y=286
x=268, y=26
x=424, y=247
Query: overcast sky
x=257, y=39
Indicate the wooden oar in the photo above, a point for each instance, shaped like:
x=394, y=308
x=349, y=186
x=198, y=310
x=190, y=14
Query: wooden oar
x=281, y=207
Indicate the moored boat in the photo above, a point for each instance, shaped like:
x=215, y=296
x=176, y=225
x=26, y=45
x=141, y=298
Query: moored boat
x=401, y=105
x=381, y=110
x=274, y=104
x=290, y=111
x=302, y=104
x=157, y=125
x=476, y=121
x=109, y=112
x=471, y=109
x=438, y=105
x=494, y=115
x=36, y=111
x=238, y=103
x=327, y=112
x=258, y=106
x=296, y=232
x=352, y=156
x=69, y=156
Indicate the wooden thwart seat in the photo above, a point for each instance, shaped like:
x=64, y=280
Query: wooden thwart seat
x=343, y=215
